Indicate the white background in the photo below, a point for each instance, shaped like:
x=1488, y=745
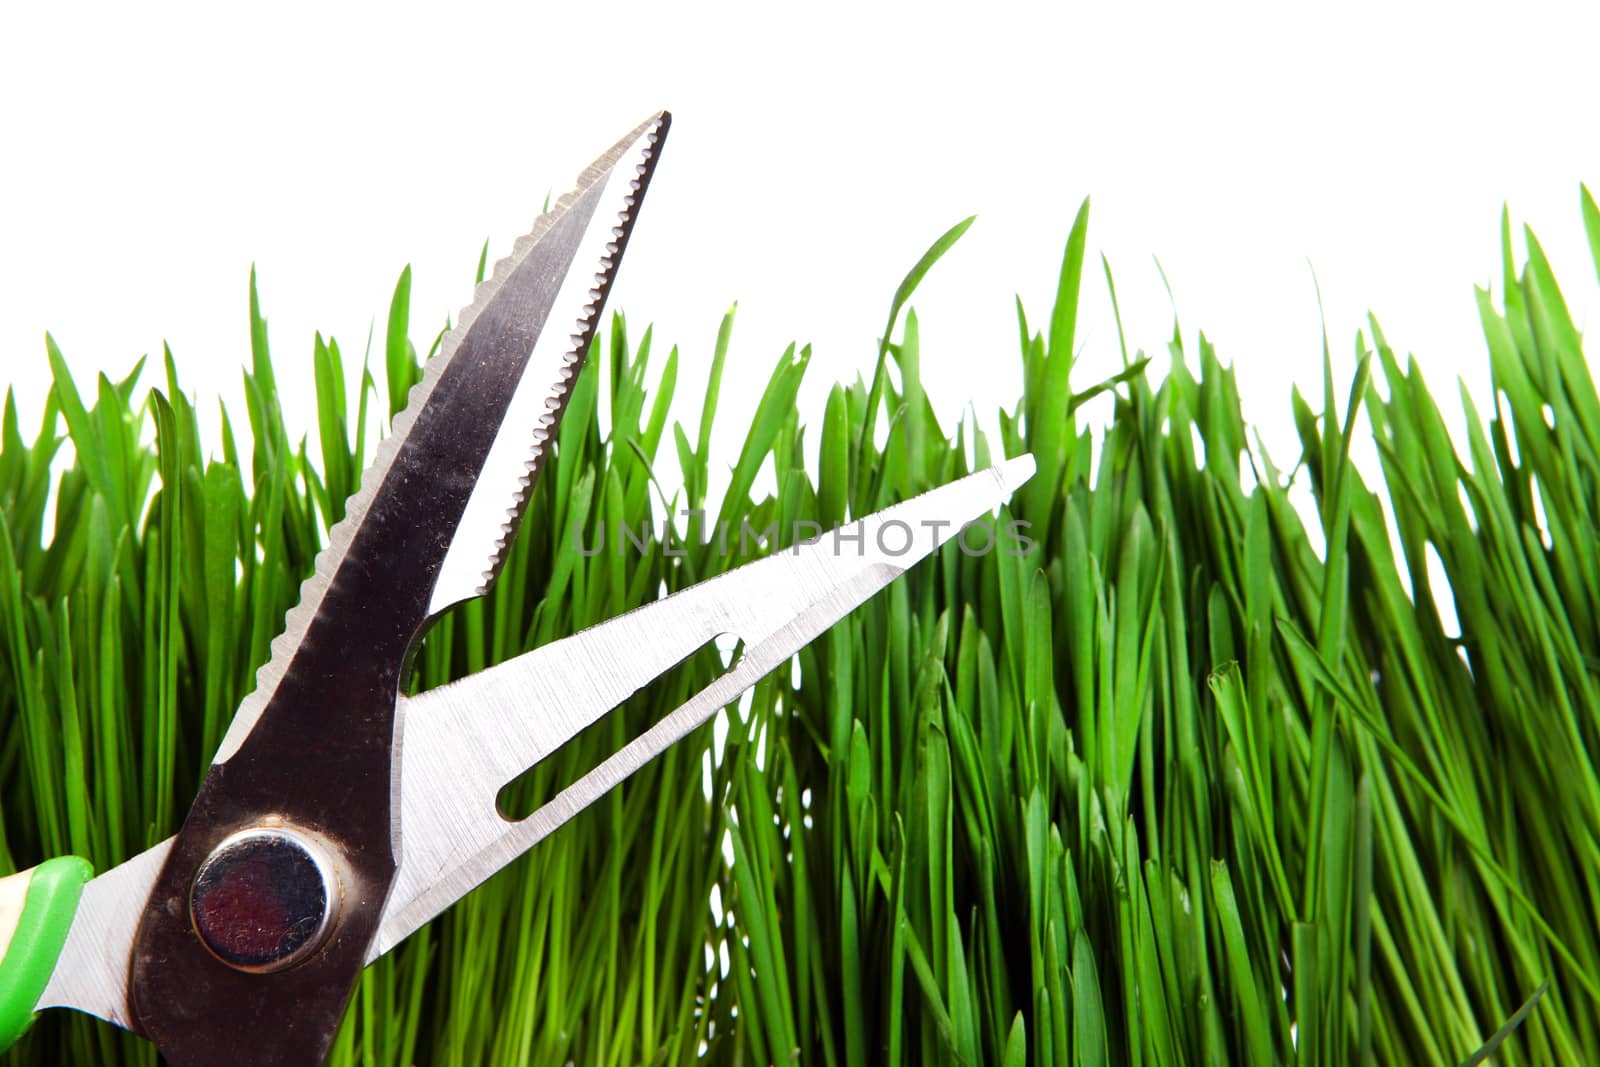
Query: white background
x=150, y=156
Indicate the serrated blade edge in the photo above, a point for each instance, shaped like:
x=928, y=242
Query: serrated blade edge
x=327, y=563
x=494, y=511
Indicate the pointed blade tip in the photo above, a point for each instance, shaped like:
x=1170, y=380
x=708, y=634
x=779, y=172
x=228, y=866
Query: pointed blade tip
x=656, y=127
x=626, y=167
x=1014, y=472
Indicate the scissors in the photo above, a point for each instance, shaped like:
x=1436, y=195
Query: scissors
x=339, y=815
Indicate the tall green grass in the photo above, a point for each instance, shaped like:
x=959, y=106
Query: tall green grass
x=1190, y=783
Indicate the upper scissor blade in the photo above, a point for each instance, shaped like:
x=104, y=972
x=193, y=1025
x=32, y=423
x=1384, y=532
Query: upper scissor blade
x=466, y=740
x=599, y=215
x=454, y=474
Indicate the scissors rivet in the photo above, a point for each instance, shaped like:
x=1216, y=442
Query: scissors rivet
x=264, y=899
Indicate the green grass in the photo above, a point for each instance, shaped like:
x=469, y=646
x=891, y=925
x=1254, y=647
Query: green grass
x=1181, y=786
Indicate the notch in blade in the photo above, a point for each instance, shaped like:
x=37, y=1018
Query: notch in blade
x=468, y=739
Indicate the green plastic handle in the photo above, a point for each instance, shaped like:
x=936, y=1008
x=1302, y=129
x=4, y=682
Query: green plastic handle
x=36, y=910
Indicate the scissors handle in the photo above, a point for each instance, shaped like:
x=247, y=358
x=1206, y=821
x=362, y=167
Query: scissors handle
x=36, y=910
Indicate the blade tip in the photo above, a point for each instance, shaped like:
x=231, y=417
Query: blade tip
x=655, y=127
x=1015, y=471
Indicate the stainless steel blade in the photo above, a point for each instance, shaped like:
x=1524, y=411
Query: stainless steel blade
x=467, y=740
x=514, y=457
x=495, y=507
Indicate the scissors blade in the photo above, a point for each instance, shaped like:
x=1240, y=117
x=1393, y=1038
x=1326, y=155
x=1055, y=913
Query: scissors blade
x=466, y=740
x=558, y=274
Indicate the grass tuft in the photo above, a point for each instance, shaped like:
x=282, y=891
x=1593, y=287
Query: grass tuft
x=1173, y=786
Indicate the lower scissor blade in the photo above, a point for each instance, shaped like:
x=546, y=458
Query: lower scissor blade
x=465, y=741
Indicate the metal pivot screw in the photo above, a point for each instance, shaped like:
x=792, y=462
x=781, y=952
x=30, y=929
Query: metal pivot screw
x=264, y=899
